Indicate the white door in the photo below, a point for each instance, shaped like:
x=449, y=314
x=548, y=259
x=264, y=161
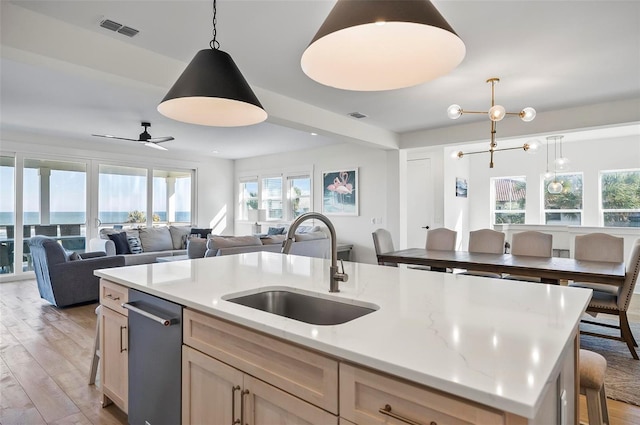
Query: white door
x=419, y=201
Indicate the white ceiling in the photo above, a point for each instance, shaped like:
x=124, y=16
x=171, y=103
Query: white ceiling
x=549, y=54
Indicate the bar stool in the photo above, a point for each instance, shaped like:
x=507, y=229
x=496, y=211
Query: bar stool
x=96, y=350
x=592, y=370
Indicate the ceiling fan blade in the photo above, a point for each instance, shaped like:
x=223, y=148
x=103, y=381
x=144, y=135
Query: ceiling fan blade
x=160, y=139
x=108, y=136
x=155, y=146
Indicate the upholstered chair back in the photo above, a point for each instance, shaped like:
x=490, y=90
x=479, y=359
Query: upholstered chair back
x=631, y=277
x=441, y=239
x=535, y=244
x=382, y=243
x=486, y=241
x=599, y=247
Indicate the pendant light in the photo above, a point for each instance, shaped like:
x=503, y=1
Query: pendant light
x=555, y=187
x=212, y=91
x=371, y=45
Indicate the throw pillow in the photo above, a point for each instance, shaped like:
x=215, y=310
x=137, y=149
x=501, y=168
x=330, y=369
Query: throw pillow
x=202, y=232
x=155, y=239
x=178, y=236
x=275, y=231
x=72, y=255
x=134, y=244
x=273, y=239
x=310, y=236
x=120, y=241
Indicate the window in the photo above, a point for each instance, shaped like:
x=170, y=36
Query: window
x=564, y=208
x=299, y=198
x=172, y=196
x=7, y=214
x=620, y=192
x=272, y=197
x=248, y=197
x=122, y=195
x=509, y=200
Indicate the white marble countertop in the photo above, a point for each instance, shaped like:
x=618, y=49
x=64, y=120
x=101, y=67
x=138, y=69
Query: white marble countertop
x=491, y=341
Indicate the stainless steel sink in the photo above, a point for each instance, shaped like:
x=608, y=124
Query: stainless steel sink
x=304, y=308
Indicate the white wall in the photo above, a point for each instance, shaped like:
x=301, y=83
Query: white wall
x=377, y=183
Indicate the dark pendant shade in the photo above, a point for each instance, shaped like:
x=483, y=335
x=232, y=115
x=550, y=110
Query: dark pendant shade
x=371, y=45
x=212, y=91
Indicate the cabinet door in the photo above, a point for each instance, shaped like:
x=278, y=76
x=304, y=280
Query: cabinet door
x=114, y=359
x=371, y=398
x=210, y=390
x=265, y=404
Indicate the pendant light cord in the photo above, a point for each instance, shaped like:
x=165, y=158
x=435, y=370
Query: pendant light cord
x=214, y=44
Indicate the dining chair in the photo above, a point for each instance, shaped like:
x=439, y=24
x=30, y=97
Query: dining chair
x=382, y=242
x=614, y=300
x=599, y=247
x=532, y=244
x=485, y=241
x=441, y=239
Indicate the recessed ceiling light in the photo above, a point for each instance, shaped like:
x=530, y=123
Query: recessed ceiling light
x=215, y=152
x=314, y=134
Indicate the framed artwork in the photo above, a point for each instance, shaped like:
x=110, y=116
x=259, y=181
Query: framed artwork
x=461, y=187
x=340, y=192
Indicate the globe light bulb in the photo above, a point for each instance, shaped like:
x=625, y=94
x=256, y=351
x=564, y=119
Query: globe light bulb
x=497, y=113
x=548, y=174
x=457, y=154
x=454, y=111
x=562, y=163
x=554, y=187
x=527, y=114
x=531, y=147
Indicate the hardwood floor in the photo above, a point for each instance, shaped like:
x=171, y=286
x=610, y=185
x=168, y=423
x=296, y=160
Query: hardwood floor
x=45, y=357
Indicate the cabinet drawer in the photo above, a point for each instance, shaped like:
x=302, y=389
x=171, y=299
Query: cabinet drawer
x=113, y=295
x=298, y=371
x=364, y=393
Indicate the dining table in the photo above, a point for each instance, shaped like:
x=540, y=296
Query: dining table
x=548, y=269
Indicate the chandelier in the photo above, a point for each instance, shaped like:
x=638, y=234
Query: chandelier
x=496, y=113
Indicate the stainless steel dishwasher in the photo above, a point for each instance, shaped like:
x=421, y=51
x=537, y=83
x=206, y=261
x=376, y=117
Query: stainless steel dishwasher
x=155, y=360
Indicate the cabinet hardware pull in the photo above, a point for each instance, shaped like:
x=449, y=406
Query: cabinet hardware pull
x=242, y=394
x=386, y=410
x=111, y=297
x=233, y=404
x=161, y=320
x=121, y=346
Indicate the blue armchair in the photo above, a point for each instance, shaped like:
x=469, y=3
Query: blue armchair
x=64, y=281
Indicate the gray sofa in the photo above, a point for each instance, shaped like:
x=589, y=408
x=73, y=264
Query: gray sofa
x=311, y=244
x=148, y=243
x=65, y=278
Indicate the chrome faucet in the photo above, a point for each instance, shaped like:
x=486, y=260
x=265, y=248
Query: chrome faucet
x=334, y=275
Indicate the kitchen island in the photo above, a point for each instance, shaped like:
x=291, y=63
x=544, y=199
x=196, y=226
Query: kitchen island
x=509, y=347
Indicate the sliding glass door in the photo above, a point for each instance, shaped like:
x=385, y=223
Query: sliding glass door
x=54, y=204
x=7, y=214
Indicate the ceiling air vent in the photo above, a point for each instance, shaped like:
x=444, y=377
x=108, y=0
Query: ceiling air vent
x=110, y=25
x=119, y=28
x=357, y=115
x=128, y=31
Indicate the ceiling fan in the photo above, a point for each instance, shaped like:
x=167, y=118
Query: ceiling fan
x=144, y=138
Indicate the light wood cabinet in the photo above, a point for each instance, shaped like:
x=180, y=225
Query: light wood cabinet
x=306, y=374
x=114, y=356
x=367, y=397
x=216, y=393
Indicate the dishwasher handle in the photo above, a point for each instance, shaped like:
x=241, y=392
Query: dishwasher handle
x=161, y=320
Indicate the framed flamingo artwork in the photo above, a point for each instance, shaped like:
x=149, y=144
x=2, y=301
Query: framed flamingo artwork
x=340, y=192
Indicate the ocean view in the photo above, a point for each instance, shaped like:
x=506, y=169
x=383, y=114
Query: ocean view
x=74, y=217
